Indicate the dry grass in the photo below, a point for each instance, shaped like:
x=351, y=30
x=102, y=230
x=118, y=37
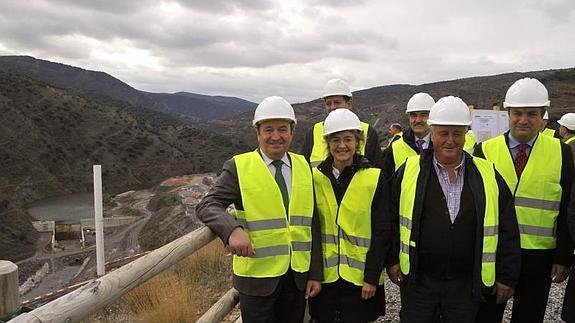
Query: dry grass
x=180, y=294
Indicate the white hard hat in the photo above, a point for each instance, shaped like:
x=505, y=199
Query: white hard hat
x=340, y=120
x=420, y=102
x=449, y=111
x=525, y=93
x=274, y=107
x=568, y=121
x=336, y=87
x=546, y=115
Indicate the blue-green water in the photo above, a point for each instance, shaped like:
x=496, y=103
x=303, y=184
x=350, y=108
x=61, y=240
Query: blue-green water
x=64, y=209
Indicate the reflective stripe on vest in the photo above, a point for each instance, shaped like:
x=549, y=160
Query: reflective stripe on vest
x=319, y=150
x=346, y=229
x=278, y=243
x=537, y=193
x=570, y=140
x=401, y=150
x=490, y=218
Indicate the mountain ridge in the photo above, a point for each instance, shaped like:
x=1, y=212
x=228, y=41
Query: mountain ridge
x=185, y=104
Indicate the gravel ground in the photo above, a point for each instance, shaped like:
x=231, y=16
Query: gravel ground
x=553, y=313
x=393, y=304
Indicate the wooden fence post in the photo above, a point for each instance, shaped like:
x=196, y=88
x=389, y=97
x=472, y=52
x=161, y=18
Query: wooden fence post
x=9, y=297
x=100, y=292
x=221, y=308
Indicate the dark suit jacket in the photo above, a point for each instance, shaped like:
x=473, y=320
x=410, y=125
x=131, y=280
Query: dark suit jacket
x=212, y=211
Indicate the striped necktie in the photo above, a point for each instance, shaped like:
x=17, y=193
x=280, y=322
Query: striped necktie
x=419, y=144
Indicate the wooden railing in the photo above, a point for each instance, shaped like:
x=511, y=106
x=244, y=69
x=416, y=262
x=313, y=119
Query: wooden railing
x=100, y=292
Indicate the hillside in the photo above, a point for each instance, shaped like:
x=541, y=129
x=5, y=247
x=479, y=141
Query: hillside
x=386, y=104
x=51, y=137
x=183, y=104
x=383, y=105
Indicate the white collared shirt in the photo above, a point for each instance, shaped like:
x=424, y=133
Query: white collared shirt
x=427, y=140
x=451, y=190
x=286, y=169
x=514, y=145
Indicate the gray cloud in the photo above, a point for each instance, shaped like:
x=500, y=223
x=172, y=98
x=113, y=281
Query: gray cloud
x=226, y=6
x=108, y=6
x=256, y=48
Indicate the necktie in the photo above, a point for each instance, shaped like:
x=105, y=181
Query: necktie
x=521, y=159
x=419, y=144
x=281, y=182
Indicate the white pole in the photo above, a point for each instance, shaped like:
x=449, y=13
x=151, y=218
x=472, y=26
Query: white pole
x=53, y=235
x=83, y=237
x=99, y=221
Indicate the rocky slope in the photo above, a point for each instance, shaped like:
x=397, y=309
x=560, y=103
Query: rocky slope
x=50, y=138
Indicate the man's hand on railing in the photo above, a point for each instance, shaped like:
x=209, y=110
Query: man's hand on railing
x=312, y=289
x=239, y=243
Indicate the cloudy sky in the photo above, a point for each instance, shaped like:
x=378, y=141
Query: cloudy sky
x=256, y=48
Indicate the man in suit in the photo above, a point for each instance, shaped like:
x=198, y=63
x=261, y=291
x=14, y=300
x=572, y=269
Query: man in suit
x=275, y=235
x=415, y=139
x=539, y=170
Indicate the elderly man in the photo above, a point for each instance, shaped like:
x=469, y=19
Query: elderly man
x=271, y=232
x=458, y=234
x=539, y=170
x=415, y=139
x=337, y=95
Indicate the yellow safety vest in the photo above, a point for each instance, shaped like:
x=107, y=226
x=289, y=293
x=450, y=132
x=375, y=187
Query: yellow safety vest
x=400, y=134
x=469, y=141
x=279, y=241
x=490, y=218
x=549, y=132
x=401, y=150
x=538, y=191
x=346, y=228
x=319, y=150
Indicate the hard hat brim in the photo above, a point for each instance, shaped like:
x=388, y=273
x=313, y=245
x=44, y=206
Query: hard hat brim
x=447, y=123
x=512, y=105
x=336, y=94
x=325, y=134
x=256, y=122
x=566, y=125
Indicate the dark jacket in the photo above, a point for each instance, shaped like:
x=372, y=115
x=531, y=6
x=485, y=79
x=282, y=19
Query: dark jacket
x=381, y=229
x=564, y=250
x=212, y=211
x=372, y=148
x=388, y=163
x=508, y=258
